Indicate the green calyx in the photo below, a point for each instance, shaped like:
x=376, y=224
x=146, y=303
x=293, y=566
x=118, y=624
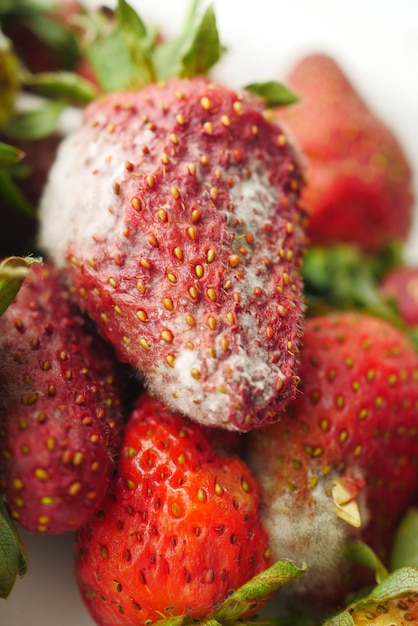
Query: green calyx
x=399, y=584
x=124, y=53
x=246, y=600
x=12, y=554
x=13, y=271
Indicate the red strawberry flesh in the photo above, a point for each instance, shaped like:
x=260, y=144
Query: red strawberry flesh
x=179, y=530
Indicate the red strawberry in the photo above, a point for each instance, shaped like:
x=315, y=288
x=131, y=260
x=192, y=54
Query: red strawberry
x=342, y=464
x=60, y=409
x=359, y=182
x=175, y=210
x=401, y=286
x=178, y=531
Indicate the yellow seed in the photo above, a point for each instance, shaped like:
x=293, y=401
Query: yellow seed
x=212, y=322
x=199, y=271
x=190, y=320
x=153, y=241
x=144, y=343
x=193, y=292
x=163, y=215
x=178, y=253
x=41, y=474
x=165, y=159
x=180, y=119
x=225, y=120
x=171, y=277
x=211, y=293
x=208, y=128
x=167, y=335
x=170, y=359
x=75, y=488
x=112, y=282
x=168, y=303
x=195, y=373
x=211, y=255
x=136, y=203
x=230, y=317
x=237, y=106
x=192, y=169
x=205, y=103
x=175, y=192
x=192, y=232
x=146, y=263
x=173, y=138
x=142, y=315
x=196, y=214
x=150, y=180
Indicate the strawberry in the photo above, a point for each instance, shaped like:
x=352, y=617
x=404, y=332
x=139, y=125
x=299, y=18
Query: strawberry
x=401, y=286
x=341, y=465
x=359, y=181
x=60, y=408
x=179, y=530
x=182, y=238
x=393, y=602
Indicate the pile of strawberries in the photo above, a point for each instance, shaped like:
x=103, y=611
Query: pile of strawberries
x=210, y=375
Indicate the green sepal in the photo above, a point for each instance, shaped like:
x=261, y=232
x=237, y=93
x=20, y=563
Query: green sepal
x=195, y=51
x=61, y=85
x=35, y=123
x=13, y=271
x=363, y=555
x=9, y=79
x=253, y=594
x=118, y=49
x=273, y=93
x=405, y=544
x=398, y=584
x=247, y=599
x=9, y=155
x=13, y=196
x=13, y=561
x=342, y=277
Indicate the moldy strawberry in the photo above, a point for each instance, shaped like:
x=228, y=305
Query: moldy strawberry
x=60, y=408
x=174, y=210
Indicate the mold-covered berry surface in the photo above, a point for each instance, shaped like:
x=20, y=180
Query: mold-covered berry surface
x=377, y=45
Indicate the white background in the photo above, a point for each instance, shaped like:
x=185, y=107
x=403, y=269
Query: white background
x=376, y=42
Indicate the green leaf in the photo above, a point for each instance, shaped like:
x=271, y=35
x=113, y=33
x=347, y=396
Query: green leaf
x=13, y=560
x=399, y=583
x=36, y=123
x=405, y=545
x=11, y=193
x=57, y=36
x=362, y=554
x=138, y=42
x=13, y=271
x=62, y=85
x=273, y=93
x=195, y=51
x=9, y=155
x=9, y=79
x=254, y=593
x=204, y=49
